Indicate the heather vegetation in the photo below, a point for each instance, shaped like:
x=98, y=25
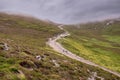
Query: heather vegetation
x=24, y=54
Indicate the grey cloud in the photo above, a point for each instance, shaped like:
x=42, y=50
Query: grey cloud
x=64, y=11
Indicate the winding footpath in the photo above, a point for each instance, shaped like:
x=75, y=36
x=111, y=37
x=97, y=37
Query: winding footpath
x=59, y=48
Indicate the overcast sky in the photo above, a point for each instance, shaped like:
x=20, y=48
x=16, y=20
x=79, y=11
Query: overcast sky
x=64, y=11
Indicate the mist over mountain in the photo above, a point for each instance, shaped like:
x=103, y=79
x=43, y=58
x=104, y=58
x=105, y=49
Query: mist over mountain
x=64, y=11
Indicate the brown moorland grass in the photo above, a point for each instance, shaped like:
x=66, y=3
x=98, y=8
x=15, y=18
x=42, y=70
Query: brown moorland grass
x=26, y=39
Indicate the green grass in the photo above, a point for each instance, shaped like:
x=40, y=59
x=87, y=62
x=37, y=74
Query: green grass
x=96, y=42
x=27, y=38
x=112, y=38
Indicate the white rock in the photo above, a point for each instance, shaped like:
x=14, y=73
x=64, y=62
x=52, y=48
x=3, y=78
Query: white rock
x=38, y=57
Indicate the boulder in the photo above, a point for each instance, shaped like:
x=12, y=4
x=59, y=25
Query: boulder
x=4, y=46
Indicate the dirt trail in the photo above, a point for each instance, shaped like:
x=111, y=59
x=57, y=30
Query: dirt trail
x=59, y=48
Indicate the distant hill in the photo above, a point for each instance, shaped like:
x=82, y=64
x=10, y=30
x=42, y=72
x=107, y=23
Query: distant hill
x=24, y=54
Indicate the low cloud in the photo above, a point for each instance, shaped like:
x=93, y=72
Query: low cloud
x=64, y=11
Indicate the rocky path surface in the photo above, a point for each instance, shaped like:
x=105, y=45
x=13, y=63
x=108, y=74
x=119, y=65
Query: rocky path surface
x=59, y=48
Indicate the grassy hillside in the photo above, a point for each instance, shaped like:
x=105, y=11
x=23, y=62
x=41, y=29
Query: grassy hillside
x=25, y=56
x=98, y=42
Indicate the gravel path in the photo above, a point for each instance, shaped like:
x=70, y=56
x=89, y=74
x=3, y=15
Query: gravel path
x=59, y=48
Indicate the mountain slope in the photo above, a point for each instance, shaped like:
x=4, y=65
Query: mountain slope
x=24, y=54
x=98, y=42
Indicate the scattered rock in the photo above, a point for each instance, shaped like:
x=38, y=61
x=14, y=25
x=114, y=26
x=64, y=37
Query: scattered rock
x=88, y=70
x=94, y=76
x=4, y=46
x=42, y=57
x=38, y=57
x=110, y=22
x=56, y=64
